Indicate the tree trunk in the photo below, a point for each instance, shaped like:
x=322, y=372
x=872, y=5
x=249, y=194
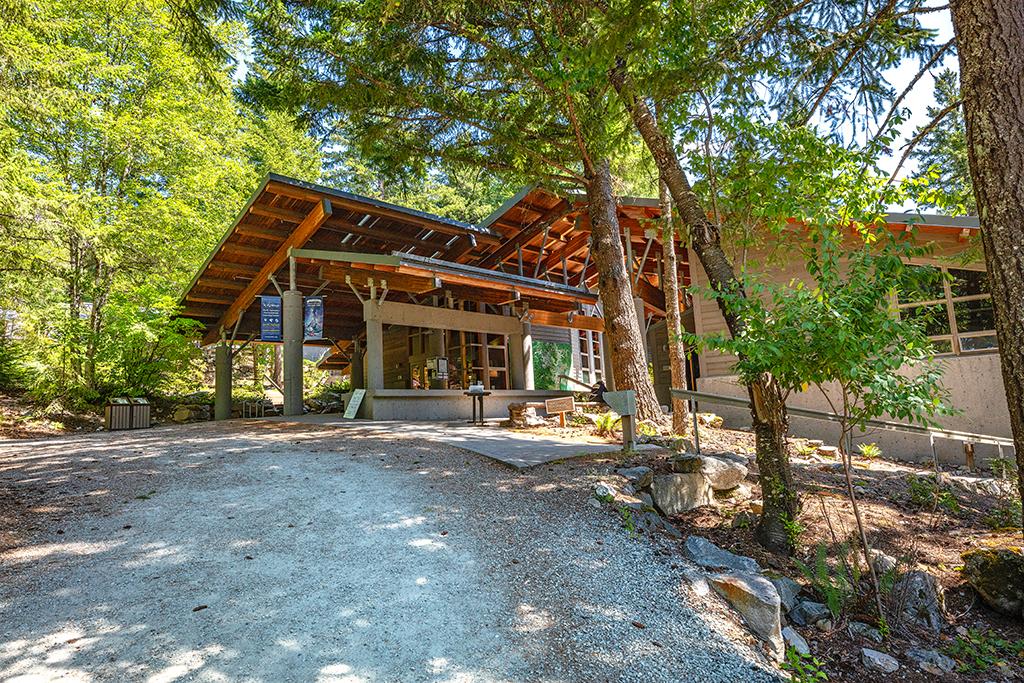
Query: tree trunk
x=673, y=319
x=990, y=42
x=622, y=329
x=768, y=409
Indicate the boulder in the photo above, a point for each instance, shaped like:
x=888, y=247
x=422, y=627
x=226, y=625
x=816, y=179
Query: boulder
x=687, y=463
x=788, y=590
x=522, y=415
x=997, y=574
x=709, y=556
x=675, y=493
x=878, y=661
x=921, y=598
x=932, y=661
x=755, y=598
x=756, y=506
x=808, y=613
x=795, y=640
x=723, y=474
x=681, y=444
x=710, y=420
x=639, y=477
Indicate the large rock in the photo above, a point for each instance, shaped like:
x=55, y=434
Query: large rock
x=879, y=661
x=788, y=590
x=922, y=599
x=640, y=477
x=675, y=493
x=795, y=640
x=723, y=473
x=932, y=661
x=709, y=556
x=808, y=613
x=757, y=601
x=997, y=574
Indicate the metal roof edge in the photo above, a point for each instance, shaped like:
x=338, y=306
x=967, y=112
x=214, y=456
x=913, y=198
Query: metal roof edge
x=487, y=222
x=939, y=220
x=416, y=213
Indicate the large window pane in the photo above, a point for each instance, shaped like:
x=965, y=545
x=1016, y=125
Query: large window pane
x=974, y=316
x=933, y=318
x=968, y=282
x=983, y=342
x=920, y=283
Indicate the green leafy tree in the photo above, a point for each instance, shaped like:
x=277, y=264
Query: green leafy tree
x=125, y=159
x=838, y=330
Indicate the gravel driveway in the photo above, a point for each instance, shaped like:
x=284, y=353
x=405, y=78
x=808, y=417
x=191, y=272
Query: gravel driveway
x=285, y=552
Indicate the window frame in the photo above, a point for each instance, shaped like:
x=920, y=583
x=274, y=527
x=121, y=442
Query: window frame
x=948, y=301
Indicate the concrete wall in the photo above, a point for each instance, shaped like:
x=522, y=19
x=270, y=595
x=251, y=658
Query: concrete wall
x=975, y=387
x=442, y=404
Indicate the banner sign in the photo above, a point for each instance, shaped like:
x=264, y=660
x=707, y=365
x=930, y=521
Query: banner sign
x=270, y=318
x=313, y=320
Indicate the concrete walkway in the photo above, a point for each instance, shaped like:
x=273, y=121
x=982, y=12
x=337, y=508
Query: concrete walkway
x=516, y=449
x=263, y=551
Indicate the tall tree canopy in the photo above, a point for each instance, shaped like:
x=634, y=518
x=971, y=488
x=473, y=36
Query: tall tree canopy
x=123, y=159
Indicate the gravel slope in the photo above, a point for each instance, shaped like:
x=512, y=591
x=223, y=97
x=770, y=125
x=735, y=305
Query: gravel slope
x=284, y=552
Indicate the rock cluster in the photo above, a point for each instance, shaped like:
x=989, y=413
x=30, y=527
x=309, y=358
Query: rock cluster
x=629, y=492
x=523, y=415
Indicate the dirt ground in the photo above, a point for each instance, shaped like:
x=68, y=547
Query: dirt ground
x=274, y=551
x=930, y=529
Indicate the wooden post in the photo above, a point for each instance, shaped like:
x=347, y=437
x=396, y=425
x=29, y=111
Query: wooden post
x=969, y=455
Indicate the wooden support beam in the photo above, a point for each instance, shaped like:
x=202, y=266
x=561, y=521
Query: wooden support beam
x=274, y=212
x=360, y=278
x=204, y=298
x=220, y=283
x=237, y=249
x=574, y=246
x=247, y=230
x=246, y=269
x=577, y=322
x=460, y=247
x=526, y=235
x=303, y=231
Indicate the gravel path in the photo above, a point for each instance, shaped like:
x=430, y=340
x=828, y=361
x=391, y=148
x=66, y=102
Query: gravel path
x=284, y=552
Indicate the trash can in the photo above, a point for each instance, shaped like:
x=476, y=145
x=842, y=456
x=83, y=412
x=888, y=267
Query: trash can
x=126, y=413
x=140, y=413
x=118, y=414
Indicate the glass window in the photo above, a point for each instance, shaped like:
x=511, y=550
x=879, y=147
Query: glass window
x=968, y=282
x=920, y=283
x=975, y=315
x=932, y=318
x=960, y=292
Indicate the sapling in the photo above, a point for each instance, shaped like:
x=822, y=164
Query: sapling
x=840, y=333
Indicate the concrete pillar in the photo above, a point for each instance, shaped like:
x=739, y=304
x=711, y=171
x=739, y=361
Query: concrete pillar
x=358, y=381
x=528, y=356
x=520, y=359
x=291, y=323
x=374, y=345
x=607, y=372
x=641, y=318
x=576, y=370
x=222, y=382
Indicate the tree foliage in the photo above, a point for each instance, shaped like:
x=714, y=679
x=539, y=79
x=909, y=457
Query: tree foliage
x=123, y=160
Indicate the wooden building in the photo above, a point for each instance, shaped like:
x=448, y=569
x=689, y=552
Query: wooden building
x=403, y=288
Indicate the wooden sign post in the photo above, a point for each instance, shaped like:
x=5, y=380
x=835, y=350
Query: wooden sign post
x=624, y=403
x=562, y=405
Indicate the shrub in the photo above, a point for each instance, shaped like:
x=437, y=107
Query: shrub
x=870, y=451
